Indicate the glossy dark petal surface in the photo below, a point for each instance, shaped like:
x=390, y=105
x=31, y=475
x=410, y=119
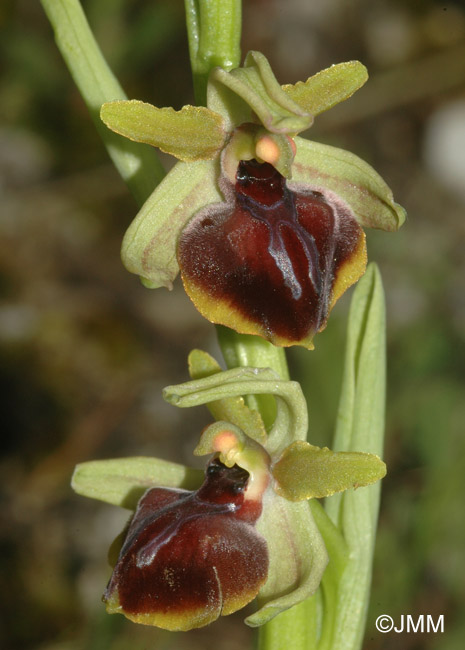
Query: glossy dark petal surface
x=272, y=260
x=190, y=556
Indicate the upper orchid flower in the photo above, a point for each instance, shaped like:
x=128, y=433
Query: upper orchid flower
x=197, y=548
x=265, y=226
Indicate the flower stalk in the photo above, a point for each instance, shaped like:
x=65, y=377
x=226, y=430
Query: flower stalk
x=214, y=34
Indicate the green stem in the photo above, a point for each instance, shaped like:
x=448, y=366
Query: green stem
x=214, y=34
x=240, y=350
x=138, y=164
x=295, y=628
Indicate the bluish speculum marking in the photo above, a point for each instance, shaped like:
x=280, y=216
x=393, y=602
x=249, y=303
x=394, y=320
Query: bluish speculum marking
x=262, y=191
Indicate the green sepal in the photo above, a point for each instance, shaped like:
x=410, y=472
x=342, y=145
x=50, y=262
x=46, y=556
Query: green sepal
x=149, y=245
x=297, y=556
x=323, y=168
x=252, y=93
x=230, y=409
x=193, y=133
x=305, y=471
x=328, y=87
x=300, y=627
x=123, y=481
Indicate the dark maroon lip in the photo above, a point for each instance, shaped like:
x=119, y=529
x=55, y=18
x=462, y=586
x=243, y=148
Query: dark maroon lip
x=188, y=551
x=270, y=252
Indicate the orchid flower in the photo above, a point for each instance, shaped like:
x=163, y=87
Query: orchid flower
x=265, y=227
x=200, y=547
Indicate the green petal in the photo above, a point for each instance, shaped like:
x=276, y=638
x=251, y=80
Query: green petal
x=193, y=133
x=305, y=471
x=122, y=481
x=230, y=409
x=252, y=91
x=324, y=167
x=328, y=87
x=297, y=557
x=149, y=245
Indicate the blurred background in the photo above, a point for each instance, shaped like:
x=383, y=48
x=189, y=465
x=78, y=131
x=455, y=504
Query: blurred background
x=85, y=349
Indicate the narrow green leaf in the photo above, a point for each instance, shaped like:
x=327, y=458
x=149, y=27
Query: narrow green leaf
x=328, y=168
x=138, y=165
x=193, y=133
x=360, y=426
x=122, y=481
x=328, y=87
x=328, y=592
x=305, y=471
x=360, y=420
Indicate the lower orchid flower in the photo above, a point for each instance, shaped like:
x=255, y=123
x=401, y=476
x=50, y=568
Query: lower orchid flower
x=246, y=530
x=190, y=556
x=265, y=226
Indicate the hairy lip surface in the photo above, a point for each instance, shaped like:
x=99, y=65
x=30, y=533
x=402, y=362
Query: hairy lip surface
x=190, y=556
x=270, y=253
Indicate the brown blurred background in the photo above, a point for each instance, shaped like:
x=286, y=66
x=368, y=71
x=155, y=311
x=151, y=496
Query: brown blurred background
x=85, y=349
